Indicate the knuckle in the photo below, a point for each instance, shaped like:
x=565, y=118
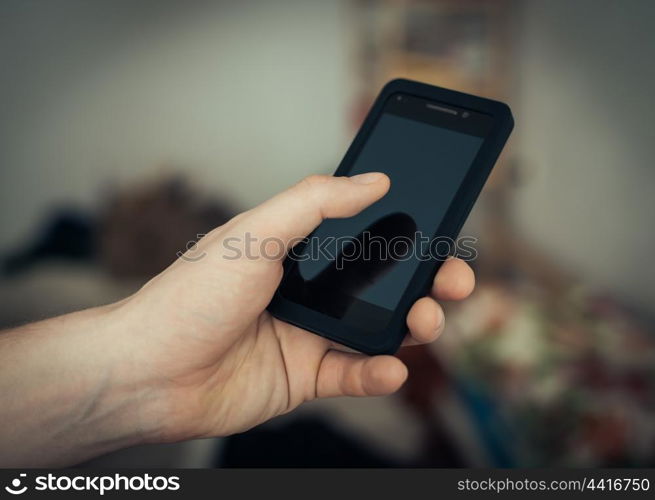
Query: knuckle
x=312, y=181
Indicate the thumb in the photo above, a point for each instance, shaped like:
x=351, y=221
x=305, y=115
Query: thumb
x=296, y=212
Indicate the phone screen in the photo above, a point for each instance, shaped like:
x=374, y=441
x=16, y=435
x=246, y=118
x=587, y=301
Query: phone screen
x=357, y=269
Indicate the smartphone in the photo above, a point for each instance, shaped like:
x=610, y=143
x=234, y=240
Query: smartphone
x=353, y=280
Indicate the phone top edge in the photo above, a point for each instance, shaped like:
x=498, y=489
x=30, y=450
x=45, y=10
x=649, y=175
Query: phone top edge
x=494, y=107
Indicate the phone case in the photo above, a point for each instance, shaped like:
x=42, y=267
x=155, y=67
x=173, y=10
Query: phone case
x=389, y=340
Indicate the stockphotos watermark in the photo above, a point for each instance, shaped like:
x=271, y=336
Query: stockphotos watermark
x=365, y=247
x=100, y=484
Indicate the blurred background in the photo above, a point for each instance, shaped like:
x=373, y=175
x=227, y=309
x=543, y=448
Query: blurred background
x=129, y=127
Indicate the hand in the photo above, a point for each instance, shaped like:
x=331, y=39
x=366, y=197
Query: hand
x=200, y=337
x=194, y=352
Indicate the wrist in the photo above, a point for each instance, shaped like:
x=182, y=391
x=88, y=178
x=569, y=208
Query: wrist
x=152, y=370
x=68, y=391
x=128, y=395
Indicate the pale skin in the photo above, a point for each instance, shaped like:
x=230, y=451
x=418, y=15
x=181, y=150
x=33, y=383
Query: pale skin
x=194, y=353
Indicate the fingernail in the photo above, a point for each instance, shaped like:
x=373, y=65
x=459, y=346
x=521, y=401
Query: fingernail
x=368, y=178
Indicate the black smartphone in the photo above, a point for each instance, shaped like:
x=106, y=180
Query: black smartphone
x=354, y=279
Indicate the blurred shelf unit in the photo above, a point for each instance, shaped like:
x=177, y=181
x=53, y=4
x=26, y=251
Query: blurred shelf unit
x=461, y=44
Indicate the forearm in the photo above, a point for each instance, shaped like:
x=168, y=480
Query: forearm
x=68, y=393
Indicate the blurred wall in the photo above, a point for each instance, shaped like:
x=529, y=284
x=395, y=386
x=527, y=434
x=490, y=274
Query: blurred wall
x=586, y=139
x=249, y=96
x=246, y=96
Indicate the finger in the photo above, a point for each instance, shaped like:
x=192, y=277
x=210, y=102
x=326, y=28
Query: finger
x=425, y=321
x=348, y=374
x=454, y=281
x=294, y=213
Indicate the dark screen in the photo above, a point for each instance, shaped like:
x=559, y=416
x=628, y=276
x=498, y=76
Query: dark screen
x=368, y=260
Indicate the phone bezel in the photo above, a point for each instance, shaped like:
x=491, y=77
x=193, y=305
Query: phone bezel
x=389, y=339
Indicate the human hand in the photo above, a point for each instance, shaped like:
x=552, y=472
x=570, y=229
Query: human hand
x=215, y=362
